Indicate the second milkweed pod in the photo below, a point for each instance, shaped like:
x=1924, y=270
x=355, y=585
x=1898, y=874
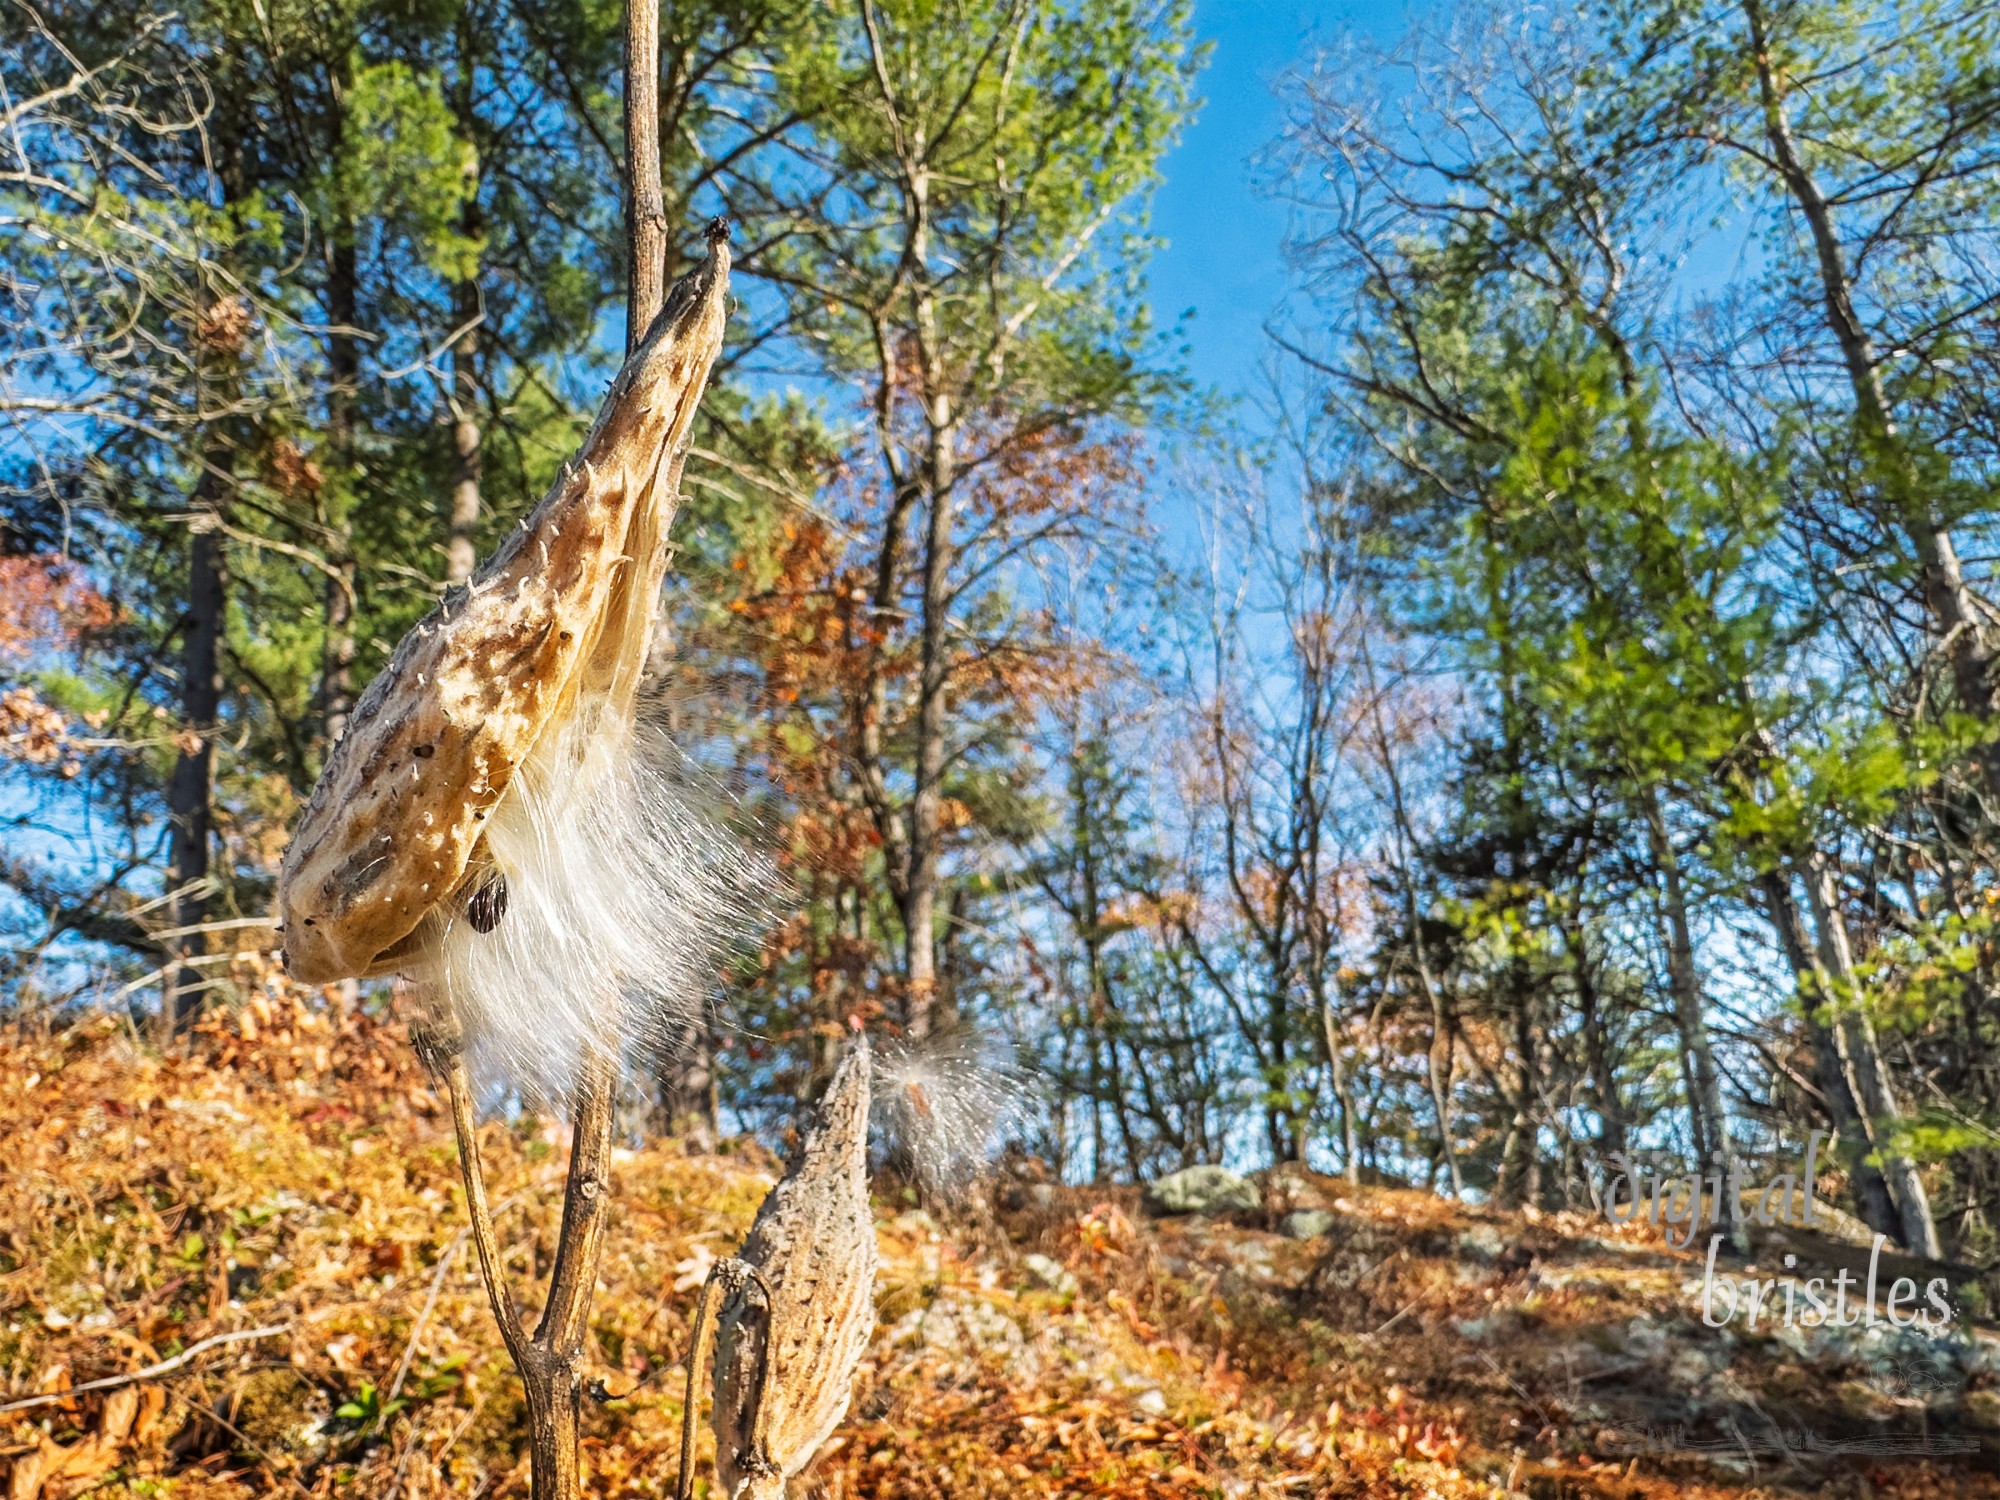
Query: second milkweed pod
x=792, y=1330
x=552, y=632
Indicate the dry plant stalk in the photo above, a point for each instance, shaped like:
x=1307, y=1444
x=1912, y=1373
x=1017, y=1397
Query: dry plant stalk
x=498, y=749
x=551, y=1361
x=523, y=682
x=797, y=1306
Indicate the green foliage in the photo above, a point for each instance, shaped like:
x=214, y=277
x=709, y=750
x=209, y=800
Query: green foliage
x=404, y=166
x=367, y=1409
x=1034, y=131
x=1703, y=563
x=1638, y=595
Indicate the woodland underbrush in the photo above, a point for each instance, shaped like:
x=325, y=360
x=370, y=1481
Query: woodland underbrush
x=274, y=1215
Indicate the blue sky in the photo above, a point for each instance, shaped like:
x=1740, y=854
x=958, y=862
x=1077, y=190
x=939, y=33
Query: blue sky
x=1223, y=258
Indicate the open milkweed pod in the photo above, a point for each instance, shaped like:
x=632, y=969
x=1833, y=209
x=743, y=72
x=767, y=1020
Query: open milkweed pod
x=493, y=781
x=787, y=1346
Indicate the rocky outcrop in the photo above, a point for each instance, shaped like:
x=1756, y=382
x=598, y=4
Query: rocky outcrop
x=1209, y=1191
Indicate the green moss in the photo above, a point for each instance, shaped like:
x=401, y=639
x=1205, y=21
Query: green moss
x=499, y=1430
x=282, y=1413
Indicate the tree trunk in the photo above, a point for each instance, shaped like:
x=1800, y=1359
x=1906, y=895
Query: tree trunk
x=1597, y=1050
x=1521, y=1155
x=344, y=366
x=191, y=786
x=1871, y=1074
x=1282, y=1124
x=1871, y=1191
x=1343, y=1091
x=1439, y=1061
x=1711, y=1122
x=1095, y=1052
x=1959, y=624
x=689, y=1101
x=933, y=676
x=461, y=540
x=342, y=300
x=190, y=792
x=645, y=202
x=1106, y=1084
x=1439, y=1066
x=461, y=550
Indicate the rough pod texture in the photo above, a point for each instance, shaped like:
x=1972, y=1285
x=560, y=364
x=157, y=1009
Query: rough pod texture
x=549, y=636
x=784, y=1369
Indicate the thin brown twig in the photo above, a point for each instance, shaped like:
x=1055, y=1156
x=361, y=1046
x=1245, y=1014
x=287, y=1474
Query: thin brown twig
x=1407, y=1310
x=703, y=1310
x=727, y=1274
x=586, y=1209
x=424, y=1316
x=211, y=1414
x=645, y=202
x=151, y=1372
x=477, y=1209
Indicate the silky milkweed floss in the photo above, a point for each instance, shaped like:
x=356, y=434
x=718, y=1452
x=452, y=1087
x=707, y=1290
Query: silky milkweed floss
x=498, y=825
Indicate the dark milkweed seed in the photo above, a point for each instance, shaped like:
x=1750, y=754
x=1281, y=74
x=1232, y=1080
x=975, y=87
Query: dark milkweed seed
x=488, y=903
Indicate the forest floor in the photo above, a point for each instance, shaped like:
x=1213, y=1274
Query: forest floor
x=293, y=1178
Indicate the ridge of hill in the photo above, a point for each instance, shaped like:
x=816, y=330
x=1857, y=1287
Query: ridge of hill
x=278, y=1210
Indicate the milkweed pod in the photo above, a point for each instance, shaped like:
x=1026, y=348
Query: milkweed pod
x=555, y=625
x=788, y=1345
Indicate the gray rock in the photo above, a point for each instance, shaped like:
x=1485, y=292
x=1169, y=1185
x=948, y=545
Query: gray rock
x=1202, y=1190
x=1691, y=1367
x=1049, y=1274
x=1483, y=1242
x=1982, y=1409
x=1644, y=1338
x=1285, y=1186
x=960, y=1324
x=1253, y=1258
x=1306, y=1224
